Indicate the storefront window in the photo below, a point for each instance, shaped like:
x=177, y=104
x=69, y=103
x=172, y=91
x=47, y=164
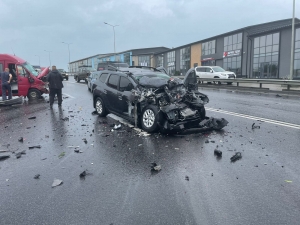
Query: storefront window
x=265, y=57
x=144, y=60
x=233, y=42
x=208, y=63
x=127, y=58
x=209, y=47
x=185, y=59
x=171, y=63
x=159, y=60
x=233, y=64
x=297, y=55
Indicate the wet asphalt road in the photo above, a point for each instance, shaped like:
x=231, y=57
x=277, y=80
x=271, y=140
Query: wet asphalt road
x=261, y=188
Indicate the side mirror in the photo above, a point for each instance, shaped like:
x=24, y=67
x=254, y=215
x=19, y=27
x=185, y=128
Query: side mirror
x=211, y=71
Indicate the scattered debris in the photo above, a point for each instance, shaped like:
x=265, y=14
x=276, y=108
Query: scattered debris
x=4, y=157
x=83, y=125
x=18, y=155
x=212, y=141
x=218, y=152
x=1, y=151
x=278, y=95
x=37, y=176
x=71, y=146
x=65, y=119
x=236, y=157
x=155, y=167
x=61, y=155
x=144, y=134
x=56, y=182
x=212, y=174
x=32, y=118
x=76, y=150
x=214, y=123
x=43, y=158
x=206, y=141
x=117, y=127
x=255, y=127
x=83, y=174
x=187, y=178
x=35, y=146
x=84, y=140
x=21, y=139
x=140, y=145
x=288, y=181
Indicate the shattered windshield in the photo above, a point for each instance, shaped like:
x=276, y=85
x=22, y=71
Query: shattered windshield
x=218, y=69
x=160, y=75
x=30, y=69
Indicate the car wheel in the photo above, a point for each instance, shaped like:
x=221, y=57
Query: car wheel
x=100, y=108
x=150, y=118
x=229, y=83
x=34, y=94
x=67, y=78
x=89, y=88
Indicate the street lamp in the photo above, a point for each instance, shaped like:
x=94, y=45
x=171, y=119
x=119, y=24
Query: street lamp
x=113, y=26
x=39, y=59
x=292, y=44
x=69, y=52
x=49, y=56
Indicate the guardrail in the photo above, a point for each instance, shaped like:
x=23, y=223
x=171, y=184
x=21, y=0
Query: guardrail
x=287, y=83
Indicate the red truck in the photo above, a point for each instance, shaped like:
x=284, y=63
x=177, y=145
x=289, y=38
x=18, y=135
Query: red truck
x=26, y=81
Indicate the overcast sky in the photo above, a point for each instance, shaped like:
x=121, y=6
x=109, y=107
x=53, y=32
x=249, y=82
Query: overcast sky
x=28, y=27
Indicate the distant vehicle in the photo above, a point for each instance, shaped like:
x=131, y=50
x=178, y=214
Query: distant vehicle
x=91, y=80
x=83, y=72
x=214, y=72
x=105, y=65
x=26, y=81
x=64, y=74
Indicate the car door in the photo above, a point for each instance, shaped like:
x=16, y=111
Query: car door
x=208, y=73
x=124, y=105
x=111, y=92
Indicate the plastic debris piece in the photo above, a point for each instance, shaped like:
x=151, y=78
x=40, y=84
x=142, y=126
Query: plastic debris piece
x=187, y=178
x=21, y=139
x=65, y=119
x=35, y=146
x=84, y=140
x=236, y=157
x=255, y=127
x=37, y=176
x=1, y=151
x=71, y=146
x=288, y=181
x=218, y=152
x=76, y=150
x=155, y=167
x=83, y=174
x=4, y=157
x=117, y=127
x=7, y=180
x=140, y=145
x=32, y=118
x=56, y=182
x=43, y=158
x=18, y=155
x=206, y=141
x=278, y=95
x=61, y=155
x=23, y=152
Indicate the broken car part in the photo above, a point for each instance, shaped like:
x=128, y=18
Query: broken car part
x=56, y=182
x=4, y=157
x=236, y=157
x=35, y=146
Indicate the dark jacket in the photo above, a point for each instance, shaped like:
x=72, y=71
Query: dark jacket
x=55, y=79
x=4, y=76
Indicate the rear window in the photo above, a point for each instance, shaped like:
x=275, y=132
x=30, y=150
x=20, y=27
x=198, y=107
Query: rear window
x=200, y=69
x=113, y=81
x=103, y=77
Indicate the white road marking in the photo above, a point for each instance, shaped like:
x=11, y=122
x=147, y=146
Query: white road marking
x=70, y=96
x=280, y=123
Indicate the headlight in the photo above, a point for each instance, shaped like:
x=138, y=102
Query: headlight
x=223, y=74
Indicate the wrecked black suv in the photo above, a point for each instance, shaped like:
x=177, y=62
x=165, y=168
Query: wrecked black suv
x=150, y=98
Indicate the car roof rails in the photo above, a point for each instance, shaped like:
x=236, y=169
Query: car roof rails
x=110, y=67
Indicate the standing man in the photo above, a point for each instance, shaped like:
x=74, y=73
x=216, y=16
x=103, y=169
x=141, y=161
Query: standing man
x=6, y=79
x=55, y=84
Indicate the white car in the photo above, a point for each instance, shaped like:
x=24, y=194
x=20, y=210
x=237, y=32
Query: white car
x=214, y=72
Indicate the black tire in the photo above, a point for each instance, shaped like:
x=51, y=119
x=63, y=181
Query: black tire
x=202, y=112
x=100, y=108
x=150, y=118
x=67, y=78
x=34, y=94
x=89, y=88
x=78, y=80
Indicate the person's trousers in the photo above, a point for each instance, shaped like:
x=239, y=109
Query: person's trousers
x=53, y=92
x=6, y=87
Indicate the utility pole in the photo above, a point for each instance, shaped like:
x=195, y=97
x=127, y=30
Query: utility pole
x=293, y=43
x=113, y=26
x=69, y=53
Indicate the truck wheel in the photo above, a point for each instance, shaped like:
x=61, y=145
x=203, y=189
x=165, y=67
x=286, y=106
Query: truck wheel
x=34, y=94
x=150, y=118
x=100, y=108
x=67, y=78
x=78, y=80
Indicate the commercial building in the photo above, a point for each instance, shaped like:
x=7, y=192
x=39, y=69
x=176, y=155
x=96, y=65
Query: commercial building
x=258, y=51
x=133, y=57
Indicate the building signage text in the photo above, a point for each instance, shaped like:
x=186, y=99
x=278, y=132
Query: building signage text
x=232, y=53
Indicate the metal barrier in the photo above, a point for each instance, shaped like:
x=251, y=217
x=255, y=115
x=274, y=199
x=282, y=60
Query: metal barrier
x=287, y=83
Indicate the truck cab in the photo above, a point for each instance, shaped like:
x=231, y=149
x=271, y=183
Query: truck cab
x=26, y=80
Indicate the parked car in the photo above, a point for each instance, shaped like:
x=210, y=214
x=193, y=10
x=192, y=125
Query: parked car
x=151, y=99
x=26, y=80
x=214, y=72
x=64, y=74
x=83, y=73
x=106, y=65
x=91, y=80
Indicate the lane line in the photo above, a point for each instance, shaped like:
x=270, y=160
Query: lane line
x=277, y=122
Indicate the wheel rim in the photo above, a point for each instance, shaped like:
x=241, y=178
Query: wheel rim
x=148, y=118
x=99, y=106
x=33, y=94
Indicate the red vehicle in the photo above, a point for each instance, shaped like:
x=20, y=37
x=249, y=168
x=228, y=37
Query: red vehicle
x=26, y=81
